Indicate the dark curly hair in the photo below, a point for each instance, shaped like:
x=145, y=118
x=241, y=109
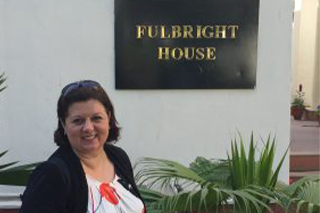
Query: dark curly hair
x=78, y=92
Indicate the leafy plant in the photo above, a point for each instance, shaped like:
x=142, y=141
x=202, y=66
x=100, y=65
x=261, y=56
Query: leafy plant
x=198, y=194
x=303, y=195
x=17, y=175
x=2, y=80
x=298, y=99
x=208, y=185
x=246, y=171
x=216, y=170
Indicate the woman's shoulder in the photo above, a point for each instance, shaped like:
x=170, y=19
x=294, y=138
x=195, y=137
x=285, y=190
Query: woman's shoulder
x=50, y=164
x=117, y=155
x=52, y=169
x=57, y=165
x=112, y=149
x=45, y=167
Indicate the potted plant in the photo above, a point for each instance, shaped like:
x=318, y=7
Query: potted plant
x=298, y=105
x=241, y=183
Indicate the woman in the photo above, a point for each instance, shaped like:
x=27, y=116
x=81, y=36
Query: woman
x=86, y=173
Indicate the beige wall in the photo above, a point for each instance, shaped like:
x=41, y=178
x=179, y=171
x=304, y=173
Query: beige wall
x=306, y=56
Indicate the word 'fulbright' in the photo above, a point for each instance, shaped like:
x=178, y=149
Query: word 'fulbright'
x=187, y=31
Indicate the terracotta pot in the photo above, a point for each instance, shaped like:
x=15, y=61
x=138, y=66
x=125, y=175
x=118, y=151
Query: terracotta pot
x=297, y=112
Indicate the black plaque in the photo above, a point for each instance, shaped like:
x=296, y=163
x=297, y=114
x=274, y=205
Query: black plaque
x=186, y=44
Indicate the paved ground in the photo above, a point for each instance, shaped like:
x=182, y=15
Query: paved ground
x=305, y=137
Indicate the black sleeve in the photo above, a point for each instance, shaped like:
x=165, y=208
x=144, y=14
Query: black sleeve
x=46, y=191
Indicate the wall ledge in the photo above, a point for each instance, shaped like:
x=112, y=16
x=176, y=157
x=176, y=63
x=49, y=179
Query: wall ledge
x=10, y=196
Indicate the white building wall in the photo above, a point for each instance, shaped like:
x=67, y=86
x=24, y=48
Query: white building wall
x=306, y=52
x=46, y=44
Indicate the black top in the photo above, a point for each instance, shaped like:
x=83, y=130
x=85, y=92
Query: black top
x=59, y=184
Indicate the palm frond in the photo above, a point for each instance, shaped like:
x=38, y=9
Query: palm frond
x=216, y=171
x=17, y=175
x=210, y=199
x=164, y=172
x=2, y=80
x=303, y=194
x=308, y=197
x=150, y=195
x=248, y=184
x=310, y=192
x=3, y=166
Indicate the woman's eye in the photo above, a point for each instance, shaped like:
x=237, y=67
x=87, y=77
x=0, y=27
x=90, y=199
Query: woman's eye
x=77, y=121
x=96, y=118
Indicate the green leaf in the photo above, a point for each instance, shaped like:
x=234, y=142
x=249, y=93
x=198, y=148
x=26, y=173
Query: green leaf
x=3, y=166
x=2, y=80
x=17, y=175
x=251, y=162
x=302, y=194
x=216, y=171
x=250, y=184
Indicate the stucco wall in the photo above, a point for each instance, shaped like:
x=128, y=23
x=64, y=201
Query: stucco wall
x=306, y=52
x=48, y=43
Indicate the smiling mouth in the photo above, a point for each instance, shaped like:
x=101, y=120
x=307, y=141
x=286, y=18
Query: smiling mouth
x=89, y=137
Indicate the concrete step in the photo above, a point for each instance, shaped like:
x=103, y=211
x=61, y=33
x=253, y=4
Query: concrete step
x=294, y=176
x=304, y=162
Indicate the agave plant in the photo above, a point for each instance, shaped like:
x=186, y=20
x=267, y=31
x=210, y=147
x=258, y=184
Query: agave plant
x=246, y=171
x=10, y=175
x=207, y=185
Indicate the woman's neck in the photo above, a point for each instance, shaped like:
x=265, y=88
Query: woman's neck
x=97, y=166
x=92, y=160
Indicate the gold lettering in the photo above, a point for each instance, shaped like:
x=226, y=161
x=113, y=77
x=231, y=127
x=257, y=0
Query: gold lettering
x=163, y=55
x=187, y=31
x=200, y=53
x=152, y=33
x=140, y=30
x=187, y=53
x=211, y=53
x=199, y=31
x=176, y=31
x=173, y=53
x=234, y=30
x=204, y=31
x=220, y=33
x=163, y=32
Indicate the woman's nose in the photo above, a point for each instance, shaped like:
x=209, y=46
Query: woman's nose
x=88, y=125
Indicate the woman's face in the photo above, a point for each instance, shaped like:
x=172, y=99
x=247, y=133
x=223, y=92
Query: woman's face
x=87, y=126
